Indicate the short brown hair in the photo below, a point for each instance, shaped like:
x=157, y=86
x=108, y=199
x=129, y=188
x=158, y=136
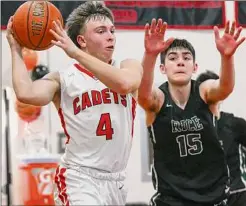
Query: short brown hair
x=179, y=43
x=76, y=21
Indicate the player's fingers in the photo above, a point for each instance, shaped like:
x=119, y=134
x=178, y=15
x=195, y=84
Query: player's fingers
x=240, y=42
x=10, y=23
x=238, y=33
x=216, y=32
x=227, y=28
x=159, y=25
x=168, y=42
x=232, y=31
x=152, y=26
x=59, y=24
x=57, y=36
x=146, y=28
x=163, y=28
x=57, y=43
x=57, y=28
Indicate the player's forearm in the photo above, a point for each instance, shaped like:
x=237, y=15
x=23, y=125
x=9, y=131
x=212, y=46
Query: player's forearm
x=20, y=77
x=227, y=75
x=117, y=79
x=145, y=89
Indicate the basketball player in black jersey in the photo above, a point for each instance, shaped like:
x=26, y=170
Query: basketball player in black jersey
x=189, y=163
x=232, y=133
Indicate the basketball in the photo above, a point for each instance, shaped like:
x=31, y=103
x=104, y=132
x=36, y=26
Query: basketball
x=27, y=112
x=32, y=22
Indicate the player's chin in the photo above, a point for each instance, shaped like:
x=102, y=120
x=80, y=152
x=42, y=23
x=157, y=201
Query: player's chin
x=180, y=80
x=108, y=56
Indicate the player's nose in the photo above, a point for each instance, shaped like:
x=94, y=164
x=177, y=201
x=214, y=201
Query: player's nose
x=180, y=62
x=110, y=36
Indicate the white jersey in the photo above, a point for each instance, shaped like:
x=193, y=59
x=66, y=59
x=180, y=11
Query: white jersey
x=97, y=121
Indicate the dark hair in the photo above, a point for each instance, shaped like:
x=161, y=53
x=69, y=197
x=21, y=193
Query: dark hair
x=77, y=20
x=179, y=43
x=205, y=76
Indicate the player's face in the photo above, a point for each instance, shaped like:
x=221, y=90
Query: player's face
x=99, y=38
x=179, y=66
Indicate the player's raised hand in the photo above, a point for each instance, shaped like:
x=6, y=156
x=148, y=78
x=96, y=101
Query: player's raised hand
x=62, y=40
x=10, y=37
x=229, y=42
x=154, y=37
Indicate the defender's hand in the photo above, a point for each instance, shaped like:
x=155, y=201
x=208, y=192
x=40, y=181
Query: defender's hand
x=228, y=43
x=154, y=37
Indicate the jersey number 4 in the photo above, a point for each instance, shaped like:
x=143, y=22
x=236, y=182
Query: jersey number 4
x=189, y=144
x=105, y=127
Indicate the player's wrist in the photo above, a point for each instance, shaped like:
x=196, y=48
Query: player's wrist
x=16, y=50
x=76, y=54
x=150, y=54
x=226, y=57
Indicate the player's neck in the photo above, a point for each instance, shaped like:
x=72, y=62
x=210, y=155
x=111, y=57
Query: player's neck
x=180, y=94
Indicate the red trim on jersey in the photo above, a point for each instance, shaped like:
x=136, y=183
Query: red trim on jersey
x=82, y=69
x=134, y=104
x=63, y=123
x=60, y=181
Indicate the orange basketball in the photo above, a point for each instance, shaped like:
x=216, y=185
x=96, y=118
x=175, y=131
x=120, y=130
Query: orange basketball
x=32, y=22
x=27, y=112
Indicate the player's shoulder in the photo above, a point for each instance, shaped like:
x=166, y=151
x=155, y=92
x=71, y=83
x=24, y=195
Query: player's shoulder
x=164, y=86
x=233, y=121
x=226, y=115
x=68, y=69
x=239, y=123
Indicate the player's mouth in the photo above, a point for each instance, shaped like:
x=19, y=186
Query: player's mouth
x=111, y=48
x=180, y=72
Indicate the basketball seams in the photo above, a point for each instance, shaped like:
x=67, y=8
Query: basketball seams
x=46, y=25
x=33, y=23
x=27, y=25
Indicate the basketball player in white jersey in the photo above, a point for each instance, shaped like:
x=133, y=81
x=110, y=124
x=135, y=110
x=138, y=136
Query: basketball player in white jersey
x=96, y=102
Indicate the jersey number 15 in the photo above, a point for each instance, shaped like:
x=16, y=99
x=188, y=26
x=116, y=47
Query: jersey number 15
x=189, y=144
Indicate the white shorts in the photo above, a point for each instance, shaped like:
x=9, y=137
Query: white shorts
x=86, y=186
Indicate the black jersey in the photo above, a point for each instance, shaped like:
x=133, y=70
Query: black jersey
x=189, y=162
x=232, y=132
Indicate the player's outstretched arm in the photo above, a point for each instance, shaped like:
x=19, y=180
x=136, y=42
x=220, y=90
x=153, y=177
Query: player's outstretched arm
x=125, y=80
x=149, y=96
x=217, y=90
x=40, y=92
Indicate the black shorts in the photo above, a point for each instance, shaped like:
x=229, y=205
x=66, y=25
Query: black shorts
x=159, y=199
x=237, y=199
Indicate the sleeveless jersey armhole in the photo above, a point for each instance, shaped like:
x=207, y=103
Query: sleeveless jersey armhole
x=163, y=89
x=197, y=91
x=62, y=86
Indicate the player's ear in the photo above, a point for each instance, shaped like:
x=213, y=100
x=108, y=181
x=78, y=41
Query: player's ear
x=163, y=69
x=81, y=41
x=195, y=68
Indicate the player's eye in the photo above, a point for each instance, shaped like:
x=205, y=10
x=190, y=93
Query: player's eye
x=100, y=31
x=171, y=58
